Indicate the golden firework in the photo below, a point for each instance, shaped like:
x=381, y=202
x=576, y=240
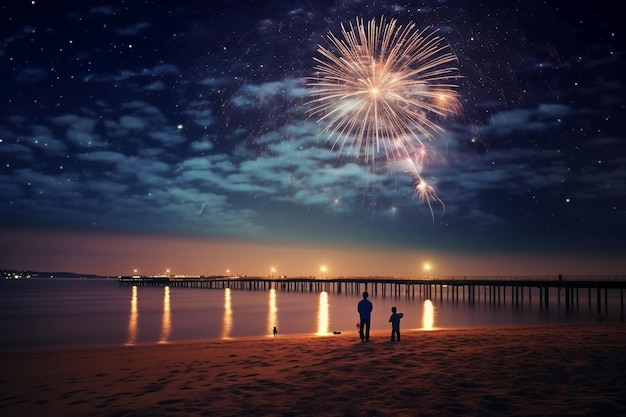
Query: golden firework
x=383, y=87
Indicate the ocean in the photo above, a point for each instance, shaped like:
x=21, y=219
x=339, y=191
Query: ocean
x=66, y=313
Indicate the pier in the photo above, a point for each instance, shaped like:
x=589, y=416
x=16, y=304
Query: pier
x=572, y=291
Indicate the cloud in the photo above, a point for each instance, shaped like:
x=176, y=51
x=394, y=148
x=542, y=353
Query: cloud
x=152, y=76
x=106, y=10
x=103, y=156
x=16, y=151
x=133, y=29
x=79, y=130
x=132, y=123
x=202, y=146
x=266, y=94
x=162, y=69
x=31, y=75
x=215, y=82
x=543, y=117
x=124, y=164
x=168, y=136
x=43, y=137
x=202, y=116
x=20, y=34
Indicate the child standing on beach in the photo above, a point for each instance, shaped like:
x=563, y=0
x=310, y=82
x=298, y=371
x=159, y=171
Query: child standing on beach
x=395, y=324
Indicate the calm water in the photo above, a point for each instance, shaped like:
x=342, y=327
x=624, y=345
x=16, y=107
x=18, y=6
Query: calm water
x=41, y=314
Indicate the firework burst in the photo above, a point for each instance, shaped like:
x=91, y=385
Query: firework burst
x=383, y=87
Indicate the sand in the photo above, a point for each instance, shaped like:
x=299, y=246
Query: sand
x=573, y=370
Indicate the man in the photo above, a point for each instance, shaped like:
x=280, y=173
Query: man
x=365, y=311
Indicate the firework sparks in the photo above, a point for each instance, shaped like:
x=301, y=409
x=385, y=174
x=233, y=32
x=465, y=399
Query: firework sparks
x=424, y=189
x=427, y=194
x=383, y=87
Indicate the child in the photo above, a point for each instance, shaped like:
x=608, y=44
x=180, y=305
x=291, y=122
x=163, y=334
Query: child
x=395, y=324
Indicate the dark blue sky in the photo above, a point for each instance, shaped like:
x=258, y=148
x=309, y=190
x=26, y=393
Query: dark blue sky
x=187, y=120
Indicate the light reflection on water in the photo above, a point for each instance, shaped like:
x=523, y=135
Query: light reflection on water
x=428, y=316
x=166, y=322
x=227, y=323
x=133, y=318
x=54, y=313
x=272, y=312
x=322, y=315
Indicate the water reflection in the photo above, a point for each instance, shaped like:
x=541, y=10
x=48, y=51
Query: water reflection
x=227, y=324
x=322, y=314
x=134, y=316
x=272, y=315
x=166, y=322
x=428, y=316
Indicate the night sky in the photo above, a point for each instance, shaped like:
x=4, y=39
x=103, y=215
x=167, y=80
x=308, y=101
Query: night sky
x=175, y=135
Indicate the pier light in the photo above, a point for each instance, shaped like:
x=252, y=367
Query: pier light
x=323, y=270
x=427, y=268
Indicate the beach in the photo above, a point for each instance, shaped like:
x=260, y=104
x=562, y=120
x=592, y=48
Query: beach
x=544, y=370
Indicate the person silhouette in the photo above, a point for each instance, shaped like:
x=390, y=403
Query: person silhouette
x=395, y=324
x=365, y=313
x=275, y=331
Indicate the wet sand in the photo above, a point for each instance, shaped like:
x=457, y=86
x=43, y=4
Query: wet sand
x=555, y=370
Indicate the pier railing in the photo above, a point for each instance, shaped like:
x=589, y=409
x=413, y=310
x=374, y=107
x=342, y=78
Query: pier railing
x=610, y=281
x=485, y=289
